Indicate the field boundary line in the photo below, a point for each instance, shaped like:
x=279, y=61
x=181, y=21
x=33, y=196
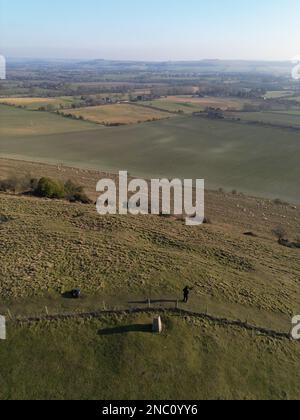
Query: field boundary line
x=177, y=311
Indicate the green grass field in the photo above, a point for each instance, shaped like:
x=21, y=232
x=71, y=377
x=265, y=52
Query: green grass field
x=286, y=118
x=189, y=104
x=278, y=94
x=21, y=123
x=256, y=160
x=36, y=103
x=98, y=359
x=49, y=247
x=294, y=98
x=173, y=106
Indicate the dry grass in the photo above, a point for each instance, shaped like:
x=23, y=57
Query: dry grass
x=70, y=245
x=189, y=104
x=48, y=247
x=117, y=114
x=216, y=102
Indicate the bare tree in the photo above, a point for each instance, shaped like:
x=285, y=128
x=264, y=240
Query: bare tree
x=280, y=233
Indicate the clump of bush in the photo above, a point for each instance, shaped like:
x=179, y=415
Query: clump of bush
x=280, y=202
x=75, y=193
x=281, y=235
x=14, y=184
x=54, y=189
x=50, y=188
x=45, y=187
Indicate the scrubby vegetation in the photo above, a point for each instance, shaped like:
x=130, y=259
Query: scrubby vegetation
x=46, y=187
x=281, y=235
x=18, y=184
x=127, y=256
x=75, y=193
x=50, y=188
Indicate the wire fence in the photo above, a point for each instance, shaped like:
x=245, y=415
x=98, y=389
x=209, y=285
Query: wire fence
x=148, y=308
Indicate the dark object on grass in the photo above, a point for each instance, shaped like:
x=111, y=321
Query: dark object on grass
x=76, y=293
x=250, y=234
x=288, y=244
x=186, y=294
x=79, y=198
x=4, y=219
x=207, y=221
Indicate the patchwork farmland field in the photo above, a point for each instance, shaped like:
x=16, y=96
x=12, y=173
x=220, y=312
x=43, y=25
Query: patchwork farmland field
x=122, y=114
x=22, y=123
x=294, y=98
x=256, y=160
x=189, y=104
x=37, y=103
x=278, y=94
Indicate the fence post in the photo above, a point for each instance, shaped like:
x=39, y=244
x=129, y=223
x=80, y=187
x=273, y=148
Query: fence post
x=46, y=309
x=149, y=303
x=9, y=314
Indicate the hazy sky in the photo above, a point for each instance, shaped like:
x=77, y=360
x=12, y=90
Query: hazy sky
x=150, y=30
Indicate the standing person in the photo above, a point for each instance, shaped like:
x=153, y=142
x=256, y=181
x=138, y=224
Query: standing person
x=186, y=294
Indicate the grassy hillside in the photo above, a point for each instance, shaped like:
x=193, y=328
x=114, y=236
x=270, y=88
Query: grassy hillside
x=116, y=258
x=117, y=357
x=253, y=159
x=48, y=247
x=115, y=255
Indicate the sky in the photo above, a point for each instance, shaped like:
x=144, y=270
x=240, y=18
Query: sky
x=150, y=30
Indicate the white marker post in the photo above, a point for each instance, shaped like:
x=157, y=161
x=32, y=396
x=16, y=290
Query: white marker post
x=2, y=67
x=2, y=328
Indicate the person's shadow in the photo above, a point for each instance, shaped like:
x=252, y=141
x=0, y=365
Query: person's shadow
x=154, y=301
x=144, y=328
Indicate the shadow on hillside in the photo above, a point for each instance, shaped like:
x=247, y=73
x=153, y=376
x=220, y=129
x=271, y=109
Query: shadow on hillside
x=66, y=295
x=153, y=301
x=145, y=328
x=70, y=295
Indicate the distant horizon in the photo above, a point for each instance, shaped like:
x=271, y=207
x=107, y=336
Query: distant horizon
x=282, y=61
x=173, y=30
